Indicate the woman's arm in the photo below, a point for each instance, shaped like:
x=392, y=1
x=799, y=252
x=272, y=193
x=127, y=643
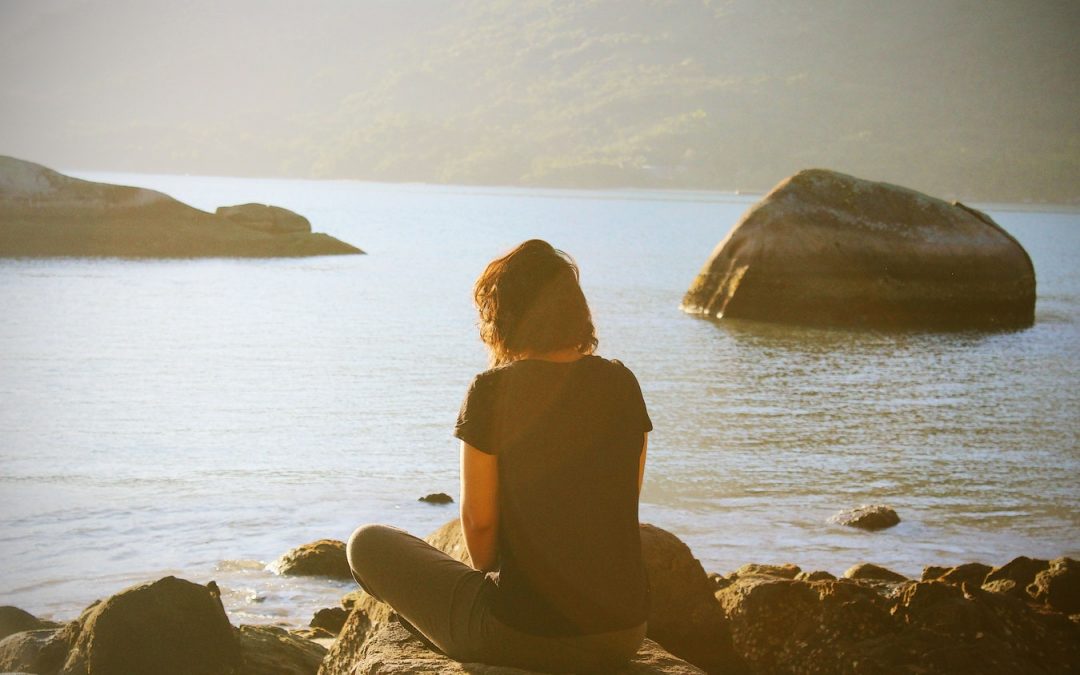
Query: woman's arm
x=480, y=506
x=641, y=462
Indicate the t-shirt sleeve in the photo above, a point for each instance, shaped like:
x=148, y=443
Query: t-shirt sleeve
x=475, y=419
x=636, y=403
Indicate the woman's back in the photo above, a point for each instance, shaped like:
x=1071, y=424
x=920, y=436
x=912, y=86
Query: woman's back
x=568, y=437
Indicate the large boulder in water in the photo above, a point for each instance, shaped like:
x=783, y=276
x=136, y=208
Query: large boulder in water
x=322, y=558
x=47, y=214
x=824, y=248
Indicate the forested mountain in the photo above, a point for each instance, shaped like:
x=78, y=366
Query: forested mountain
x=973, y=98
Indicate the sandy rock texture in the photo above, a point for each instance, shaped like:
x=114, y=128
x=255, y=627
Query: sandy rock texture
x=825, y=248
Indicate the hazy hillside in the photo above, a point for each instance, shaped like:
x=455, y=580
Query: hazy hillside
x=979, y=99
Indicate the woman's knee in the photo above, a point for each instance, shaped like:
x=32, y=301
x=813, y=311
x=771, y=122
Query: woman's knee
x=364, y=544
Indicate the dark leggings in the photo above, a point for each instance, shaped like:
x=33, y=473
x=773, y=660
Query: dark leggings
x=450, y=604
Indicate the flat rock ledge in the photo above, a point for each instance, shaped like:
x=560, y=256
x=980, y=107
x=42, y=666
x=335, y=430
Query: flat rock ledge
x=827, y=249
x=47, y=214
x=392, y=649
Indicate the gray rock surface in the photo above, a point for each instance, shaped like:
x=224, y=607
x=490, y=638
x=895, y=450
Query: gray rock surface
x=825, y=248
x=47, y=214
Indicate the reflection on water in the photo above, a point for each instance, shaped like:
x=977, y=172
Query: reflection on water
x=173, y=416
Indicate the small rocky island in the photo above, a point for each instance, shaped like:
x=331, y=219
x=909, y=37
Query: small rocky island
x=47, y=214
x=824, y=248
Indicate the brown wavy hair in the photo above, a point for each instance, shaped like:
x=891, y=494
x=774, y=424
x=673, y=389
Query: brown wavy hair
x=530, y=302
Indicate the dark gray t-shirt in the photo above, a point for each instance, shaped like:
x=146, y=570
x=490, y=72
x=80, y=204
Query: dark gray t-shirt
x=568, y=437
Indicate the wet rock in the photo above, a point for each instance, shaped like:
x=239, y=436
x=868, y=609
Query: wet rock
x=167, y=627
x=392, y=650
x=45, y=213
x=271, y=650
x=785, y=571
x=872, y=572
x=868, y=517
x=15, y=620
x=265, y=218
x=1015, y=576
x=1058, y=586
x=830, y=249
x=437, y=498
x=325, y=558
x=330, y=618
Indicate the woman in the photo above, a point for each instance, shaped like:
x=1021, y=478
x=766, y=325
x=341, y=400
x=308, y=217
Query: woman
x=553, y=442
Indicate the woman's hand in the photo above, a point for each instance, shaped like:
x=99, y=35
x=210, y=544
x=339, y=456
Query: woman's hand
x=480, y=506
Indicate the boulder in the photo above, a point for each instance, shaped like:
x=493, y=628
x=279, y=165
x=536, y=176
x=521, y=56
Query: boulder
x=272, y=650
x=872, y=572
x=266, y=218
x=825, y=248
x=322, y=558
x=1015, y=576
x=868, y=517
x=47, y=214
x=170, y=626
x=437, y=498
x=392, y=649
x=1058, y=586
x=330, y=618
x=816, y=575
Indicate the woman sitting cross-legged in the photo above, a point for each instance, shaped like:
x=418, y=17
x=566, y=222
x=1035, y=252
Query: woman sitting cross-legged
x=553, y=441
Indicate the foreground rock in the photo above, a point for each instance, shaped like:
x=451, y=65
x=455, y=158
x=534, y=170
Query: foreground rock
x=868, y=517
x=322, y=558
x=44, y=213
x=15, y=620
x=168, y=627
x=783, y=625
x=824, y=248
x=391, y=649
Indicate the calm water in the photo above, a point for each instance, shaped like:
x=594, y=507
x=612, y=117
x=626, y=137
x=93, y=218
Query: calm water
x=201, y=417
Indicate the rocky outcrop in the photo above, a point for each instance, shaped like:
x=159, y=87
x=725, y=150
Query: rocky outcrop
x=867, y=517
x=46, y=214
x=391, y=649
x=1015, y=576
x=872, y=572
x=1058, y=586
x=330, y=619
x=322, y=558
x=824, y=248
x=781, y=625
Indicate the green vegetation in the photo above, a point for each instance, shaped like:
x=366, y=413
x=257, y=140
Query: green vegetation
x=978, y=100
